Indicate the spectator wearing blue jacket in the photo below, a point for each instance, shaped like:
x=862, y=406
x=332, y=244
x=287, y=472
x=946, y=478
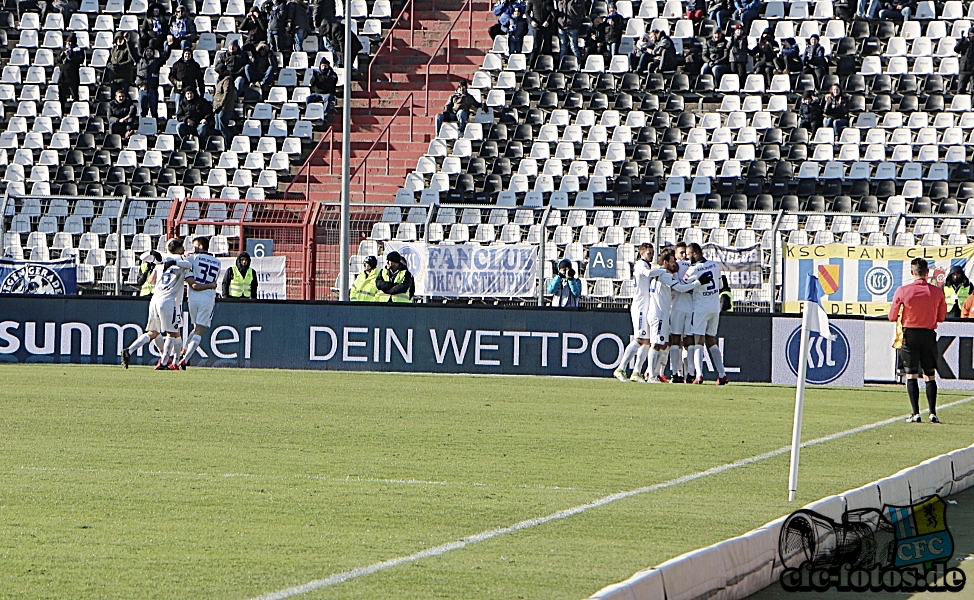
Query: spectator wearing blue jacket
x=746, y=11
x=503, y=10
x=565, y=289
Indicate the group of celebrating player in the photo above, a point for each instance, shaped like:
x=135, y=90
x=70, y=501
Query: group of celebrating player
x=198, y=271
x=675, y=311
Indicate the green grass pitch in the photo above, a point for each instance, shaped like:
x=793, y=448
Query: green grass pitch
x=220, y=483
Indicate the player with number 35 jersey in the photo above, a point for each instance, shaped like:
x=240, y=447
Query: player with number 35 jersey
x=202, y=294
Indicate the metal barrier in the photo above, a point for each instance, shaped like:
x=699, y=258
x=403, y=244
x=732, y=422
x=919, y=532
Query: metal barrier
x=466, y=9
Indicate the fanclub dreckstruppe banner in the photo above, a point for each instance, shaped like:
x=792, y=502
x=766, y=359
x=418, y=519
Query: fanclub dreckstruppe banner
x=861, y=280
x=471, y=270
x=741, y=266
x=55, y=277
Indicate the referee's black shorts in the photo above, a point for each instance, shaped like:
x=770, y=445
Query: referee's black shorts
x=920, y=352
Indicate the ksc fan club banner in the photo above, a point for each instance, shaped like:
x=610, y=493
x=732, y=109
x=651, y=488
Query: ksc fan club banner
x=56, y=277
x=471, y=270
x=861, y=280
x=741, y=266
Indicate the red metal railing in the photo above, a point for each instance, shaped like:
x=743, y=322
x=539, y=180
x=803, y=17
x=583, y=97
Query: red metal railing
x=389, y=40
x=467, y=9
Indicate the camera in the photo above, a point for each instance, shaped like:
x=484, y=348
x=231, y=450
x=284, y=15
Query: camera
x=571, y=273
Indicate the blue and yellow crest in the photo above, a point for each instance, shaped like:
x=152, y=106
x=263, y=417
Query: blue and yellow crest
x=921, y=532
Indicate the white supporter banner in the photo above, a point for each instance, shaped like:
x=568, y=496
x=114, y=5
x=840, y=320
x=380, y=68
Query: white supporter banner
x=471, y=270
x=271, y=276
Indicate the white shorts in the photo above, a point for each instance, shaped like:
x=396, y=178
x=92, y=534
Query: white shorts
x=201, y=309
x=679, y=322
x=640, y=325
x=704, y=323
x=164, y=317
x=659, y=331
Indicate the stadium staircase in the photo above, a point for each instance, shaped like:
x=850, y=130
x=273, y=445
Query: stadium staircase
x=396, y=99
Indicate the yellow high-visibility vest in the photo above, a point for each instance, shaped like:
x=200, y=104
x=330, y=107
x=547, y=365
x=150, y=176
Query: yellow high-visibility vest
x=364, y=289
x=384, y=297
x=149, y=286
x=956, y=296
x=240, y=285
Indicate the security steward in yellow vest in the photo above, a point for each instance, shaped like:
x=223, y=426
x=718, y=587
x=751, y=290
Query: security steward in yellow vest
x=240, y=280
x=146, y=283
x=957, y=287
x=726, y=301
x=395, y=282
x=364, y=289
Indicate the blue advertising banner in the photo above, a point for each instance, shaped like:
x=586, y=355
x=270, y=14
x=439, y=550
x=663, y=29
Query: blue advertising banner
x=55, y=277
x=362, y=337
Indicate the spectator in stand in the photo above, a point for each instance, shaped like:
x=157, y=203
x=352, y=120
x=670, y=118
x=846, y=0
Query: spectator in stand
x=765, y=53
x=836, y=109
x=716, y=56
x=571, y=16
x=147, y=80
x=324, y=12
x=517, y=28
x=231, y=64
x=892, y=10
x=788, y=60
x=194, y=115
x=324, y=85
x=182, y=30
x=336, y=35
x=613, y=26
x=746, y=11
x=146, y=283
x=726, y=299
x=814, y=61
x=738, y=53
x=260, y=70
x=123, y=116
x=121, y=64
x=965, y=48
x=395, y=282
x=503, y=10
x=277, y=27
x=224, y=105
x=458, y=108
x=186, y=74
x=240, y=280
x=255, y=25
x=70, y=61
x=809, y=111
x=642, y=54
x=565, y=289
x=721, y=11
x=957, y=289
x=299, y=22
x=153, y=31
x=364, y=288
x=66, y=8
x=541, y=24
x=696, y=10
x=664, y=53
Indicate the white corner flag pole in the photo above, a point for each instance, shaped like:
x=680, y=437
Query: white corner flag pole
x=796, y=433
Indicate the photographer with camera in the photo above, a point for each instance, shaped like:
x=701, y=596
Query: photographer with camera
x=564, y=287
x=965, y=47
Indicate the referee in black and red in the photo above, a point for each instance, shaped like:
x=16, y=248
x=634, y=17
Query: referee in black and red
x=923, y=306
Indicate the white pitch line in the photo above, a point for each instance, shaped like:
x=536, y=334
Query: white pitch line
x=564, y=514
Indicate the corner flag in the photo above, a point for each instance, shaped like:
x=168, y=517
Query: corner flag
x=814, y=319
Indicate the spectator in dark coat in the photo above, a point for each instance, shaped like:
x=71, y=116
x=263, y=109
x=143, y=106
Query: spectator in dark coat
x=715, y=56
x=642, y=54
x=965, y=48
x=123, y=116
x=147, y=80
x=153, y=31
x=121, y=64
x=814, y=61
x=458, y=108
x=277, y=26
x=186, y=74
x=224, y=108
x=765, y=53
x=195, y=115
x=232, y=64
x=70, y=61
x=324, y=84
x=324, y=12
x=788, y=60
x=299, y=22
x=260, y=70
x=664, y=53
x=182, y=30
x=336, y=34
x=894, y=10
x=594, y=37
x=809, y=111
x=542, y=25
x=571, y=16
x=255, y=25
x=738, y=53
x=721, y=11
x=836, y=109
x=613, y=27
x=517, y=28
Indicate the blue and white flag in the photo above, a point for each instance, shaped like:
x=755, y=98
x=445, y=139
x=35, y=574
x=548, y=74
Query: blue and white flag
x=38, y=277
x=818, y=319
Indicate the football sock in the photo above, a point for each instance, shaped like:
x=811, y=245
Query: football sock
x=718, y=360
x=688, y=362
x=628, y=354
x=653, y=361
x=194, y=341
x=160, y=342
x=913, y=390
x=931, y=388
x=140, y=341
x=640, y=359
x=697, y=352
x=661, y=362
x=177, y=347
x=676, y=360
x=167, y=348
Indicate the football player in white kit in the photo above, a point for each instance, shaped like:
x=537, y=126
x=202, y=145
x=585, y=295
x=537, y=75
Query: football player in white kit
x=706, y=313
x=642, y=274
x=680, y=320
x=202, y=294
x=661, y=297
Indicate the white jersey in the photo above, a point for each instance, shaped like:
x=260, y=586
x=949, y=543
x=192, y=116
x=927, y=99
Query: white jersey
x=660, y=296
x=682, y=301
x=706, y=297
x=169, y=282
x=641, y=278
x=205, y=269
